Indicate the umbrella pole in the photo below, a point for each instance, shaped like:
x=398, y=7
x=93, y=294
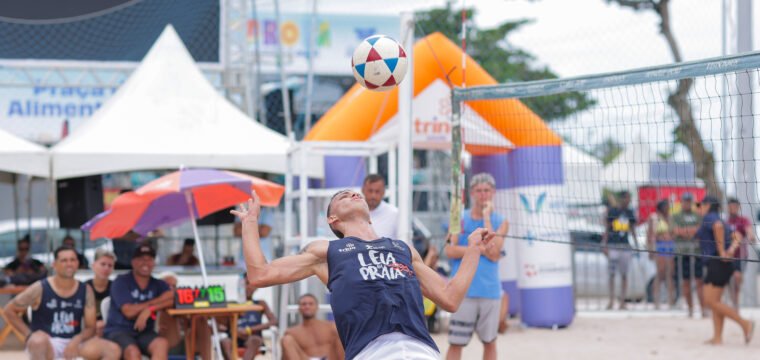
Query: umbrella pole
x=204, y=275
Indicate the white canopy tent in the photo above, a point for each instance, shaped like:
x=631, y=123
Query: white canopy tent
x=23, y=157
x=165, y=116
x=630, y=169
x=582, y=174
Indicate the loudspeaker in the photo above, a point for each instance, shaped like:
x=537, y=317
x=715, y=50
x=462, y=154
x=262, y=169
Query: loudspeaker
x=218, y=218
x=79, y=200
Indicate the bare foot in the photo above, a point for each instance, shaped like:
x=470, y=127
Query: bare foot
x=714, y=342
x=749, y=331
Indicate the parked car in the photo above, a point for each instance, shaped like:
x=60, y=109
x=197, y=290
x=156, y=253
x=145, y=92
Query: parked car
x=38, y=239
x=591, y=272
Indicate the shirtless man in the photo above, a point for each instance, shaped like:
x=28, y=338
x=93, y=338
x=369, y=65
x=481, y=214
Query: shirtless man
x=314, y=338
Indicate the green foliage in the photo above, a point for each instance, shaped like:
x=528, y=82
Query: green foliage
x=490, y=48
x=607, y=151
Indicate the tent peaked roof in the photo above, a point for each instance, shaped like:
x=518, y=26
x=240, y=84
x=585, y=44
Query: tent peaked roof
x=22, y=157
x=164, y=116
x=364, y=112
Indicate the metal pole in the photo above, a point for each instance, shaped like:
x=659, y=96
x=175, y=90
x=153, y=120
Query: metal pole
x=287, y=117
x=257, y=66
x=28, y=188
x=311, y=46
x=405, y=95
x=282, y=290
x=250, y=102
x=746, y=179
x=392, y=177
x=204, y=275
x=52, y=202
x=725, y=110
x=14, y=179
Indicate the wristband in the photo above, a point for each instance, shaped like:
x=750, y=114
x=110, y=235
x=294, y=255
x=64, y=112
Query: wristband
x=248, y=330
x=152, y=312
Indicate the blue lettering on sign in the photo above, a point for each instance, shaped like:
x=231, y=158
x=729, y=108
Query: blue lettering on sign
x=33, y=108
x=70, y=91
x=59, y=102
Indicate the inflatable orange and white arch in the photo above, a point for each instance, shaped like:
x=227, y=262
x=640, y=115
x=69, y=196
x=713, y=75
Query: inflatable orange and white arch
x=505, y=138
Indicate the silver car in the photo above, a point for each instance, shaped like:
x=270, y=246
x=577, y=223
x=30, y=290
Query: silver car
x=591, y=270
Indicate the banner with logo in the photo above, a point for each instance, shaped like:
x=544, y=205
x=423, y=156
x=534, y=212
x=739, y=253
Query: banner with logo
x=337, y=35
x=44, y=114
x=545, y=256
x=431, y=123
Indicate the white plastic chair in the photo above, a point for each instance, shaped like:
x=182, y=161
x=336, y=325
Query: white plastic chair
x=104, y=306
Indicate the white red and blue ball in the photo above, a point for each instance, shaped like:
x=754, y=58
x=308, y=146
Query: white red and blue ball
x=379, y=63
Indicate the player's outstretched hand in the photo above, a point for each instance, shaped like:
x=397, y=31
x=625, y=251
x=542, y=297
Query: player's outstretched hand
x=481, y=237
x=249, y=211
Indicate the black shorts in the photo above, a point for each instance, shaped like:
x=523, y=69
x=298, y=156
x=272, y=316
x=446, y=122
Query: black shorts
x=241, y=342
x=686, y=263
x=719, y=272
x=141, y=340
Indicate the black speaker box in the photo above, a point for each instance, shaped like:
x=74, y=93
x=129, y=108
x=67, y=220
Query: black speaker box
x=79, y=200
x=218, y=218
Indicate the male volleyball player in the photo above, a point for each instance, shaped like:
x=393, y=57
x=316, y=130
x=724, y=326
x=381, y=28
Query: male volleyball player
x=376, y=284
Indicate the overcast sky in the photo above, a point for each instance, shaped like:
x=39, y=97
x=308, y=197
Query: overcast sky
x=581, y=37
x=576, y=37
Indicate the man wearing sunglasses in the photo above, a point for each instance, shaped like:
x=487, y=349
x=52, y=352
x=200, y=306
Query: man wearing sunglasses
x=23, y=270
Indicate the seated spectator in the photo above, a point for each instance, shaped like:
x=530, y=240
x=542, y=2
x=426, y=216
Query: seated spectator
x=123, y=248
x=173, y=328
x=250, y=326
x=185, y=257
x=24, y=269
x=136, y=297
x=68, y=241
x=429, y=255
x=63, y=315
x=102, y=268
x=424, y=247
x=314, y=338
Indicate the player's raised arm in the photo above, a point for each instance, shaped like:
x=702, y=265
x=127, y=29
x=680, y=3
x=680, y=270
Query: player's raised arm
x=283, y=270
x=449, y=295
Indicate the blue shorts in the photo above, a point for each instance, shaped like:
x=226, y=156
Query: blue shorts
x=665, y=248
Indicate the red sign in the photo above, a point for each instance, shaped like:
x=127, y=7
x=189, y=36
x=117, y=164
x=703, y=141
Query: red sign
x=650, y=195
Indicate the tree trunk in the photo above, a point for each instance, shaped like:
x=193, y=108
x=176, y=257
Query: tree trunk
x=687, y=132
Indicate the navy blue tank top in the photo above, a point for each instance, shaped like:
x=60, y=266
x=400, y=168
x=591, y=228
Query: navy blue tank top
x=251, y=318
x=58, y=316
x=707, y=237
x=374, y=291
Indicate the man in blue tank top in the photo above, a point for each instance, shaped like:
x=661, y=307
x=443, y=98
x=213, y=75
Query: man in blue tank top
x=480, y=309
x=136, y=297
x=63, y=315
x=376, y=284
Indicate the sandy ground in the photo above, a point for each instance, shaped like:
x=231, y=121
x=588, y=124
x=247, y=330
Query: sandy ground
x=599, y=335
